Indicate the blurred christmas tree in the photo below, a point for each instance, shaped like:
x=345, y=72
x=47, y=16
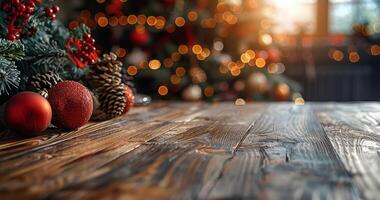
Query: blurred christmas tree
x=200, y=49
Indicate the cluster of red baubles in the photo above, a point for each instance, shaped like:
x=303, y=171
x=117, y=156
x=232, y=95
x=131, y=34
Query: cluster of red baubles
x=19, y=14
x=84, y=52
x=51, y=12
x=68, y=107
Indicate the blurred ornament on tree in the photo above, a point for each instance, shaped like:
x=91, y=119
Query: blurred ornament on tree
x=281, y=92
x=274, y=55
x=169, y=3
x=257, y=83
x=192, y=93
x=140, y=36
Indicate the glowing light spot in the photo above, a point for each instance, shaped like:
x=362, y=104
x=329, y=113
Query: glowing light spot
x=266, y=39
x=175, y=80
x=192, y=16
x=260, y=62
x=151, y=20
x=375, y=50
x=251, y=53
x=103, y=21
x=132, y=70
x=245, y=58
x=240, y=102
x=208, y=91
x=354, y=57
x=154, y=64
x=183, y=49
x=299, y=101
x=197, y=49
x=141, y=19
x=179, y=21
x=180, y=71
x=337, y=55
x=132, y=19
x=163, y=90
x=123, y=20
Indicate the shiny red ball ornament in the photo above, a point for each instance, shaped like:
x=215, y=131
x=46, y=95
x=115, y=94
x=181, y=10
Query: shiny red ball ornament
x=130, y=98
x=28, y=113
x=71, y=103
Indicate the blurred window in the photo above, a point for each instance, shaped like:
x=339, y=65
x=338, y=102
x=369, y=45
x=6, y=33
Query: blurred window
x=292, y=15
x=345, y=13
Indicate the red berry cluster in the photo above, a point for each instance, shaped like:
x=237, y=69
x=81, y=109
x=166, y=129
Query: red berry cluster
x=85, y=52
x=51, y=12
x=18, y=15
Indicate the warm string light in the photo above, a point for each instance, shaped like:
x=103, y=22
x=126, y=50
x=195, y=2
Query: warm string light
x=226, y=14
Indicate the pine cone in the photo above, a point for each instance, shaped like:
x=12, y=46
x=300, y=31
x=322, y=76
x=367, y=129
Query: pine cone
x=106, y=79
x=106, y=70
x=41, y=83
x=112, y=100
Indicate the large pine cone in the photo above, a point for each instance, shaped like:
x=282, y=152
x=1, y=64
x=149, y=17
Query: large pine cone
x=106, y=79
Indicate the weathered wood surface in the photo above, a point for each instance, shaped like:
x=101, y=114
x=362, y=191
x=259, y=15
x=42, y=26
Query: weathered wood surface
x=203, y=151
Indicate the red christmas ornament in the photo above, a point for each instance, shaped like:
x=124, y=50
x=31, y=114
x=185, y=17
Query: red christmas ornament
x=28, y=113
x=274, y=55
x=140, y=37
x=130, y=98
x=82, y=52
x=71, y=103
x=169, y=2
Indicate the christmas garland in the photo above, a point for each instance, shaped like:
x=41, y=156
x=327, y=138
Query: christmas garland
x=49, y=74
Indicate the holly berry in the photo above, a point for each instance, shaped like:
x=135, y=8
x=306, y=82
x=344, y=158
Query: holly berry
x=48, y=11
x=85, y=52
x=18, y=14
x=55, y=8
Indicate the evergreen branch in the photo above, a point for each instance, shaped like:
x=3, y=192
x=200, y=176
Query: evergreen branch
x=80, y=31
x=13, y=51
x=43, y=54
x=9, y=76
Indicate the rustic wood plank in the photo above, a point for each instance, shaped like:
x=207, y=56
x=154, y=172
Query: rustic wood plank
x=286, y=155
x=179, y=166
x=354, y=132
x=200, y=150
x=35, y=171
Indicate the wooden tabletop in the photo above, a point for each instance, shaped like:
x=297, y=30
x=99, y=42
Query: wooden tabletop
x=203, y=151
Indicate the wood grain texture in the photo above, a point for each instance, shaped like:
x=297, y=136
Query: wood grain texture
x=354, y=131
x=286, y=155
x=171, y=150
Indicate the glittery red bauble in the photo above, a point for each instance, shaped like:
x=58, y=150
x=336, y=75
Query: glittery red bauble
x=139, y=37
x=71, y=103
x=28, y=113
x=130, y=98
